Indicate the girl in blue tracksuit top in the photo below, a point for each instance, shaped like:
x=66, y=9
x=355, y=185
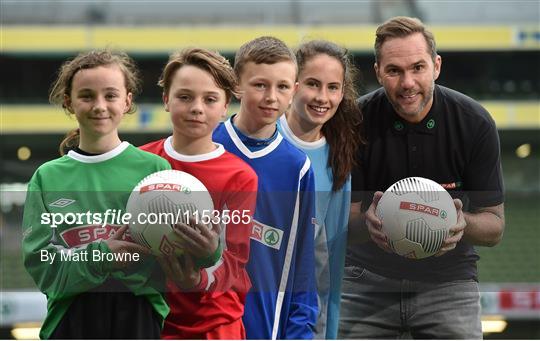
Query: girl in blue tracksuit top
x=323, y=122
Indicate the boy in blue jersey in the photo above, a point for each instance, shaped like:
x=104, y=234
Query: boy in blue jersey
x=282, y=303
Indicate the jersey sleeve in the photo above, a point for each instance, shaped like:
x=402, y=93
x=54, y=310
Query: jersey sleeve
x=162, y=164
x=303, y=311
x=56, y=277
x=483, y=178
x=229, y=273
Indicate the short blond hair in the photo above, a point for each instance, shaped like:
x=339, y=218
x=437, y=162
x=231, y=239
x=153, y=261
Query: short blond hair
x=262, y=50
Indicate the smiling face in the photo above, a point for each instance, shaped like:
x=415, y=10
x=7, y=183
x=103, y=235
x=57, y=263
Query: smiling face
x=196, y=105
x=266, y=91
x=99, y=100
x=407, y=72
x=320, y=91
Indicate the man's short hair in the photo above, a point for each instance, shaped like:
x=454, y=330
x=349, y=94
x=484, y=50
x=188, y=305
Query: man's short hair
x=262, y=50
x=400, y=27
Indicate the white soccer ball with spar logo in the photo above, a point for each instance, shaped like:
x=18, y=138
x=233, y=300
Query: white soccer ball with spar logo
x=416, y=215
x=161, y=200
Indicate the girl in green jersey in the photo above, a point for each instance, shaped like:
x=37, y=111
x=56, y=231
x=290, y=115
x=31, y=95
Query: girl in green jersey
x=67, y=237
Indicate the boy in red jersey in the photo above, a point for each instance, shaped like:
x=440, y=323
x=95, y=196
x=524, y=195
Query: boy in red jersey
x=206, y=303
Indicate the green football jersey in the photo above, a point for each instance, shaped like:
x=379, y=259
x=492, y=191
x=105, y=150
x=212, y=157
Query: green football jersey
x=66, y=221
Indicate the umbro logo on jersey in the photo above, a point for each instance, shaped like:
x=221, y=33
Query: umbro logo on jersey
x=62, y=202
x=27, y=232
x=266, y=235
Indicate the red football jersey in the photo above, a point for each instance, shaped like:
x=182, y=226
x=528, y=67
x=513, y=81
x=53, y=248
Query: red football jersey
x=219, y=298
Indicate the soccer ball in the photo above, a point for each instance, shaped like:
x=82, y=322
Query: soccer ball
x=161, y=200
x=416, y=214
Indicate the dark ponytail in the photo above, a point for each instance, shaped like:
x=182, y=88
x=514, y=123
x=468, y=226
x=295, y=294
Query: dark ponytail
x=70, y=141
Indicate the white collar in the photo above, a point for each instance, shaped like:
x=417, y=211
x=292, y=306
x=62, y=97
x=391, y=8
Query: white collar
x=296, y=140
x=244, y=149
x=169, y=150
x=101, y=157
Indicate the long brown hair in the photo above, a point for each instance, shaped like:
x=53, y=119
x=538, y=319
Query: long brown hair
x=341, y=131
x=61, y=88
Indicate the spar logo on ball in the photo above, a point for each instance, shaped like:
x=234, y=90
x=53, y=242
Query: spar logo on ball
x=164, y=199
x=165, y=187
x=434, y=211
x=416, y=215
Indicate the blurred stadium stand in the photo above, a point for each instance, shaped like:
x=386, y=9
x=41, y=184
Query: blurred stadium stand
x=490, y=50
x=265, y=12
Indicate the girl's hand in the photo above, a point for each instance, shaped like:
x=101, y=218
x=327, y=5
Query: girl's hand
x=119, y=246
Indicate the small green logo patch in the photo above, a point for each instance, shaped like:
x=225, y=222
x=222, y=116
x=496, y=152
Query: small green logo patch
x=444, y=214
x=271, y=237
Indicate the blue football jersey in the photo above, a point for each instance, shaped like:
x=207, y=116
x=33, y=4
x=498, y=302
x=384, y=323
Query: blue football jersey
x=282, y=303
